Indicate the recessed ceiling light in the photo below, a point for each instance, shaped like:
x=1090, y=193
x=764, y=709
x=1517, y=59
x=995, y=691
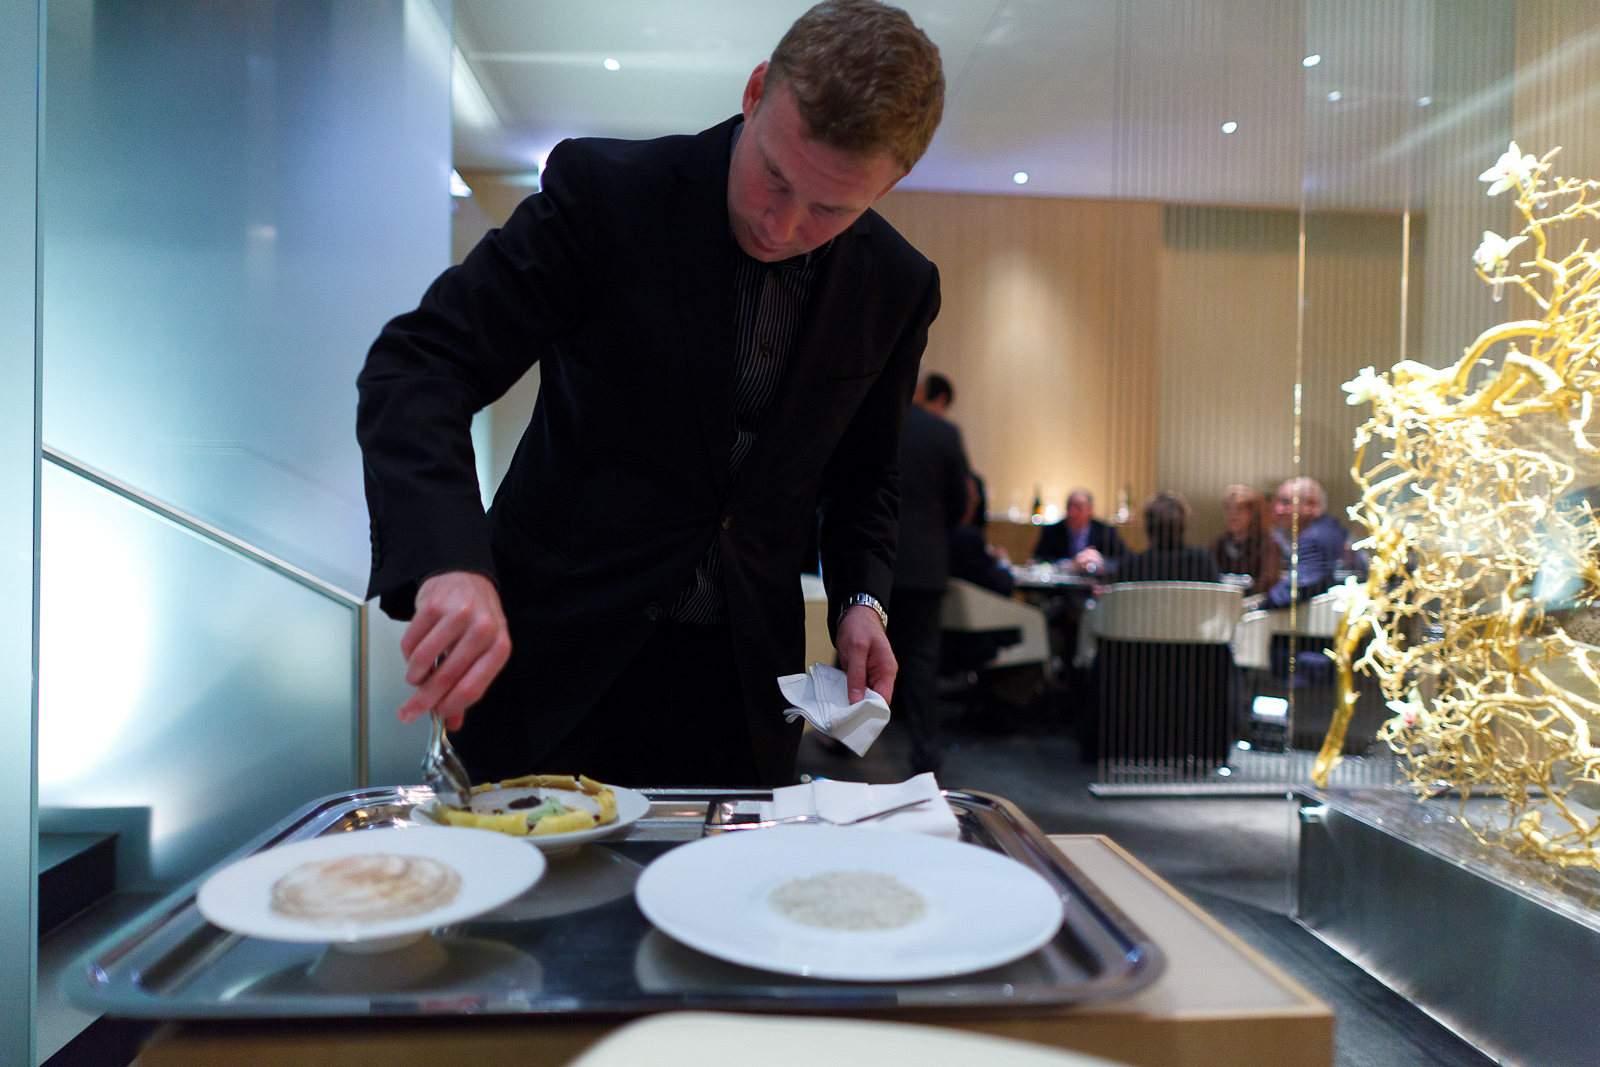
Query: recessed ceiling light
x=1310, y=61
x=612, y=64
x=1424, y=101
x=1335, y=96
x=1020, y=177
x=1229, y=126
x=458, y=187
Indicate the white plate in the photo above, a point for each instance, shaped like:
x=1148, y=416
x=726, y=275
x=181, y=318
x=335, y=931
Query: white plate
x=984, y=909
x=631, y=807
x=494, y=868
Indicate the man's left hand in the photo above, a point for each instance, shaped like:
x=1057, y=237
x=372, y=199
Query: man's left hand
x=865, y=655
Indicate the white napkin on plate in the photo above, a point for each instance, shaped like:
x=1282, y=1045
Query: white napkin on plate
x=822, y=695
x=842, y=801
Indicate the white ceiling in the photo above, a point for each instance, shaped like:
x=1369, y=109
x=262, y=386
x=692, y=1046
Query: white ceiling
x=1089, y=97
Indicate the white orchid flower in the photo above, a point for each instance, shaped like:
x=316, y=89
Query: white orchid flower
x=1350, y=598
x=1411, y=710
x=1492, y=253
x=1512, y=168
x=1365, y=388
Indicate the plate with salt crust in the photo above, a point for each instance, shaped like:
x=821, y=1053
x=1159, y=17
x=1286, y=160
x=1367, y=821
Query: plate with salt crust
x=925, y=907
x=492, y=868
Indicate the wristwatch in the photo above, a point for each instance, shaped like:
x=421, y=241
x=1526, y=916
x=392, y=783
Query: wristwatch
x=870, y=601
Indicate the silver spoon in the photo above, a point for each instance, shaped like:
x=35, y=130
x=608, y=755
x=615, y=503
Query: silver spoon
x=441, y=767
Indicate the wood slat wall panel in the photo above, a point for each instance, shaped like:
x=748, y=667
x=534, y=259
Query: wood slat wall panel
x=1047, y=331
x=1226, y=354
x=1557, y=103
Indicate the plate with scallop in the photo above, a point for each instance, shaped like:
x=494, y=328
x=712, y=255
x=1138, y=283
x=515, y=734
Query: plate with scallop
x=372, y=888
x=554, y=812
x=853, y=904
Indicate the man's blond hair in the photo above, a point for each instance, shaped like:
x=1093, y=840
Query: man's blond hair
x=866, y=79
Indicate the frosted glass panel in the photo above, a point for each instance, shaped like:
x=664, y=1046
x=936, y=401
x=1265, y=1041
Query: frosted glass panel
x=394, y=748
x=236, y=198
x=19, y=70
x=177, y=676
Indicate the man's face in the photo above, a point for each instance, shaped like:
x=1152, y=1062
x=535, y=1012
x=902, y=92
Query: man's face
x=1283, y=508
x=1079, y=511
x=788, y=194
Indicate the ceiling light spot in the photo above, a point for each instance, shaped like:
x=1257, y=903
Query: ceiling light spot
x=1335, y=96
x=1020, y=177
x=1229, y=126
x=612, y=64
x=1424, y=101
x=458, y=187
x=1310, y=61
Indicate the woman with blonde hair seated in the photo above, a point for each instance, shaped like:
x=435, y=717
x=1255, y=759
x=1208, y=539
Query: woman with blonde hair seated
x=1247, y=547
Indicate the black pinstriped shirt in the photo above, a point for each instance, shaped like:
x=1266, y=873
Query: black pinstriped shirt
x=769, y=300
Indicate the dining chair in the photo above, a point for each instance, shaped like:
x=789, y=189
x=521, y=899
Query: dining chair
x=1164, y=672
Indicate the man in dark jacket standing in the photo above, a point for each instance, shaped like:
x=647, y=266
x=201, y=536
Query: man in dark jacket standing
x=933, y=497
x=729, y=339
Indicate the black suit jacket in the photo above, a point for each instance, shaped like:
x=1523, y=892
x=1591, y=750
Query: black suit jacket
x=970, y=560
x=617, y=277
x=933, y=495
x=1055, y=541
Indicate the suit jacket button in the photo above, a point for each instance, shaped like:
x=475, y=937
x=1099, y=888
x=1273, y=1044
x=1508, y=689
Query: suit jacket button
x=727, y=521
x=652, y=612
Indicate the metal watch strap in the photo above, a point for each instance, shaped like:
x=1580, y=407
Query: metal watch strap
x=868, y=600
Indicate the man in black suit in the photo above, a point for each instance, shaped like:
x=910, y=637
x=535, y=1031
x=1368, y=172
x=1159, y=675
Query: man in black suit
x=933, y=497
x=729, y=340
x=1089, y=545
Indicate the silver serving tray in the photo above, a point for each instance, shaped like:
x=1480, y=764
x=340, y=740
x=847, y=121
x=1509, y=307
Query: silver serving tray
x=576, y=943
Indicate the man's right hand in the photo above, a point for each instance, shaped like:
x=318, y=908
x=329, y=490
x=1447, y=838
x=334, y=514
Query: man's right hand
x=1088, y=561
x=458, y=615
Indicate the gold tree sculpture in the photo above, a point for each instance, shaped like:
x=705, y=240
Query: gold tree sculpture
x=1481, y=597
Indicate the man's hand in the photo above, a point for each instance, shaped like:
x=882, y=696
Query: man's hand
x=458, y=617
x=864, y=654
x=1088, y=561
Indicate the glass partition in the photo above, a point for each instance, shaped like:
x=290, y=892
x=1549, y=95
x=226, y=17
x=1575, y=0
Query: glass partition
x=235, y=200
x=177, y=677
x=19, y=517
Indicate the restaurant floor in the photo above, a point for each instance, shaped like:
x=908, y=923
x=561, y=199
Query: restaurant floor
x=1233, y=856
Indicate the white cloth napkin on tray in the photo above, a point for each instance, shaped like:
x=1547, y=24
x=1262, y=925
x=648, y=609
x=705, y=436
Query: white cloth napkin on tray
x=842, y=801
x=822, y=696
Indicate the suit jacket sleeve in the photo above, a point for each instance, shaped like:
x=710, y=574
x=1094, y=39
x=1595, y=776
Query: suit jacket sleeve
x=1115, y=547
x=1053, y=543
x=1320, y=549
x=860, y=497
x=478, y=329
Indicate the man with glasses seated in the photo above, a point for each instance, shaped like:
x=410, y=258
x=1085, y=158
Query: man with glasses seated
x=1088, y=545
x=1320, y=543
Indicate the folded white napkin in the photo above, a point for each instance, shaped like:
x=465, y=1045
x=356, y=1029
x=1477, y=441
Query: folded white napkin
x=842, y=801
x=822, y=695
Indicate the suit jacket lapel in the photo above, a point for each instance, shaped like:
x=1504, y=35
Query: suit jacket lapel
x=702, y=265
x=824, y=329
